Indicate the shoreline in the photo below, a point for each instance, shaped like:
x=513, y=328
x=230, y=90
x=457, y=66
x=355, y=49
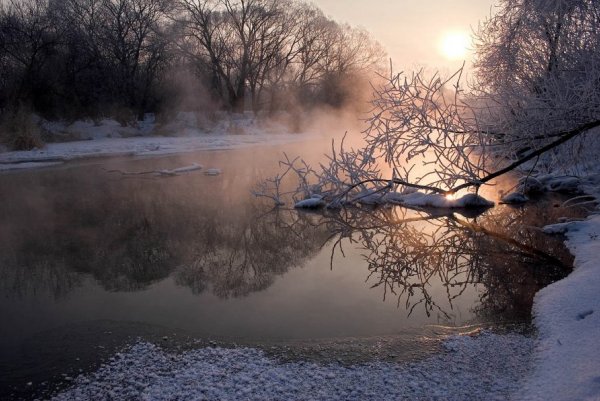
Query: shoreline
x=55, y=154
x=567, y=317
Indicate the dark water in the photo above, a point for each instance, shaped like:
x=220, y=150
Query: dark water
x=92, y=260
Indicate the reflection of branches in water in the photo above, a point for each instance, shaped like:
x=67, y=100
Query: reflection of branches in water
x=411, y=254
x=20, y=276
x=248, y=258
x=128, y=235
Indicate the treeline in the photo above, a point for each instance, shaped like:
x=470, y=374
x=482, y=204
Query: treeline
x=85, y=58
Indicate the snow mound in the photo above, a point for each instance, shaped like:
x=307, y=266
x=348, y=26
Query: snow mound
x=562, y=184
x=181, y=170
x=559, y=228
x=567, y=315
x=419, y=199
x=486, y=367
x=530, y=185
x=310, y=203
x=550, y=183
x=514, y=198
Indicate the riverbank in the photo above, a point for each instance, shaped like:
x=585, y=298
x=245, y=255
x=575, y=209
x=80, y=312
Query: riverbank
x=54, y=154
x=484, y=367
x=567, y=316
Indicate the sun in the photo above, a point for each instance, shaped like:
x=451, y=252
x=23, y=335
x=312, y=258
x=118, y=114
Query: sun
x=454, y=45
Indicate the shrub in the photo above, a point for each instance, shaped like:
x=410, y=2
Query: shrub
x=20, y=131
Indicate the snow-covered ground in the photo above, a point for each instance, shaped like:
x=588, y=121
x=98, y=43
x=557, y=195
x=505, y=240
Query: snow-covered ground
x=108, y=138
x=56, y=153
x=567, y=315
x=484, y=367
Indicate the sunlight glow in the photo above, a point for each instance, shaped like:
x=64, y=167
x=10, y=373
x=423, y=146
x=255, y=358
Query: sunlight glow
x=451, y=196
x=454, y=45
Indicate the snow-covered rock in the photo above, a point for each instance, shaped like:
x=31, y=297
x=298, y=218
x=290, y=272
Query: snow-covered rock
x=310, y=203
x=514, y=198
x=369, y=197
x=419, y=199
x=563, y=184
x=181, y=170
x=530, y=185
x=559, y=228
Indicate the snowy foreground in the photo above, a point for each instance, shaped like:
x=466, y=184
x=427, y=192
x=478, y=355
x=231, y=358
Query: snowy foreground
x=567, y=315
x=484, y=367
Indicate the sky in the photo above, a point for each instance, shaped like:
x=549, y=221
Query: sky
x=412, y=30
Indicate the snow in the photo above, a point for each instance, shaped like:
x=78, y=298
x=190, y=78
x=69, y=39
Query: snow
x=310, y=203
x=419, y=199
x=138, y=146
x=551, y=183
x=567, y=315
x=530, y=185
x=514, y=198
x=88, y=130
x=559, y=228
x=483, y=367
x=186, y=133
x=27, y=165
x=181, y=170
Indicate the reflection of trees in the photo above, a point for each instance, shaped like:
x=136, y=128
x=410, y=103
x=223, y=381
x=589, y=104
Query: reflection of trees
x=131, y=234
x=410, y=255
x=247, y=258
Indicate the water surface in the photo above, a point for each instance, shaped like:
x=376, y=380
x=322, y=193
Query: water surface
x=93, y=259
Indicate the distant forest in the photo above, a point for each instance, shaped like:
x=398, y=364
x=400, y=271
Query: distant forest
x=70, y=59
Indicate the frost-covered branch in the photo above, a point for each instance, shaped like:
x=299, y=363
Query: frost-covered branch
x=422, y=136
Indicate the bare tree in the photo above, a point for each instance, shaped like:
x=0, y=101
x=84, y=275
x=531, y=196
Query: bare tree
x=537, y=73
x=28, y=37
x=258, y=47
x=131, y=39
x=536, y=90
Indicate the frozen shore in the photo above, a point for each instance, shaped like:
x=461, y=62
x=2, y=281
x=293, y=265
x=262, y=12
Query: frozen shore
x=108, y=138
x=567, y=315
x=484, y=367
x=58, y=153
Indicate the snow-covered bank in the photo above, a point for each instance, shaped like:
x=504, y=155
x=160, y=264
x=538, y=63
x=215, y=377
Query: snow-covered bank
x=56, y=153
x=485, y=367
x=567, y=314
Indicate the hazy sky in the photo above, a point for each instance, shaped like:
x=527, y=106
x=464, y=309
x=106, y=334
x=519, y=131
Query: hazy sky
x=411, y=30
